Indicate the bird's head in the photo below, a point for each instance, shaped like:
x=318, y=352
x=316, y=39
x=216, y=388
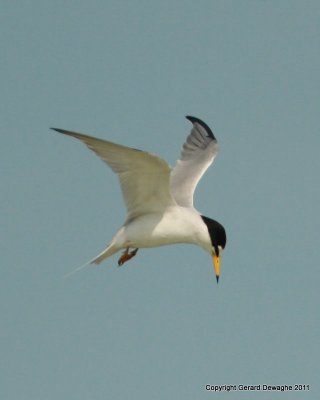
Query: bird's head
x=218, y=239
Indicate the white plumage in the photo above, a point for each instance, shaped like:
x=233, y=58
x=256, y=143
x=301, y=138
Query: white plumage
x=159, y=199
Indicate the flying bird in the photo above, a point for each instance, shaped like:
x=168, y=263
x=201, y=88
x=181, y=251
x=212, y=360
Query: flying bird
x=159, y=199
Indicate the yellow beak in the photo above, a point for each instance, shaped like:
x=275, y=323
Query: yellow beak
x=216, y=264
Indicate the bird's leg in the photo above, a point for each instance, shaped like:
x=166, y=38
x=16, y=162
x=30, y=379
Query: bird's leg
x=126, y=256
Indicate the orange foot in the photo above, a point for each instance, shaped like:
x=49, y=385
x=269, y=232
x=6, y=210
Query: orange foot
x=126, y=256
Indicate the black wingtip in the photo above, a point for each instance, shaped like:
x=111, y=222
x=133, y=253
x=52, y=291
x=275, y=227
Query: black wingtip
x=194, y=120
x=58, y=130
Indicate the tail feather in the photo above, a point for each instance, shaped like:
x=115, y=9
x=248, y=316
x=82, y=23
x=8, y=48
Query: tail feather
x=76, y=270
x=109, y=251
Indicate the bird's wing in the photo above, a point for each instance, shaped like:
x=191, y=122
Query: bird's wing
x=144, y=177
x=197, y=154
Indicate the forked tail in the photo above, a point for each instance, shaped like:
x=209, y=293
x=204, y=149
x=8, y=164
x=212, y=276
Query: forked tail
x=109, y=251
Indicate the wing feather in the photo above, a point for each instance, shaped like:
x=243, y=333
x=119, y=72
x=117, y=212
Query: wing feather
x=197, y=154
x=144, y=177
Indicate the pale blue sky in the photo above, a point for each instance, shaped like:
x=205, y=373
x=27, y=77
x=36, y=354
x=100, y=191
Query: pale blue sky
x=159, y=328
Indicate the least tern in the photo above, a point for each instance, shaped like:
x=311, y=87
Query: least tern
x=159, y=199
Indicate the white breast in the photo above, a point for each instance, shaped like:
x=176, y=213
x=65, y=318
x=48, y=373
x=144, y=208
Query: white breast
x=176, y=225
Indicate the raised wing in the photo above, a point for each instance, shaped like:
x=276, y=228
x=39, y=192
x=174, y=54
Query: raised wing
x=144, y=177
x=197, y=154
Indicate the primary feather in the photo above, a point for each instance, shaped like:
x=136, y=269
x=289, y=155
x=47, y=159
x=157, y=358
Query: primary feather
x=197, y=154
x=144, y=177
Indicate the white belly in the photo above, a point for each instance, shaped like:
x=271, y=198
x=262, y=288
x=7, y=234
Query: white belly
x=178, y=225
